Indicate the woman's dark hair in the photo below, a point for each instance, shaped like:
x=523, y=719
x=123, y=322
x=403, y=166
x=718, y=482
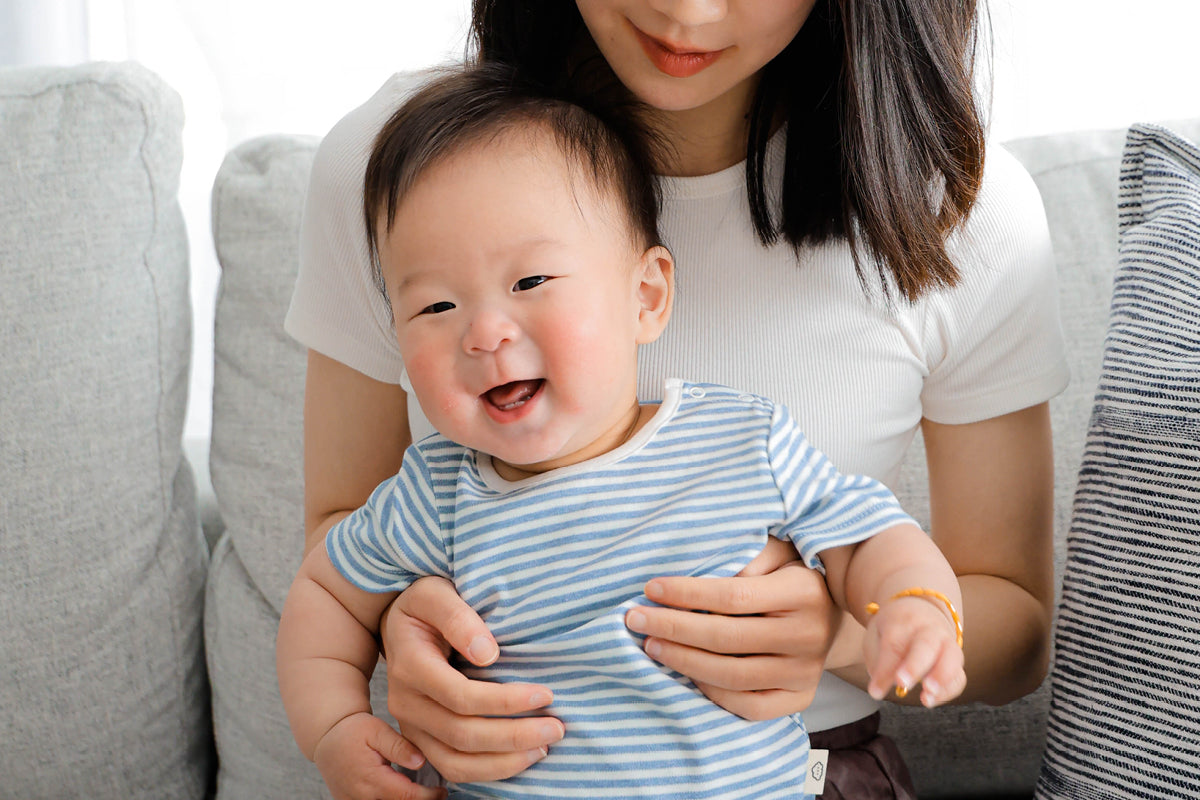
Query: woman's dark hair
x=460, y=107
x=885, y=145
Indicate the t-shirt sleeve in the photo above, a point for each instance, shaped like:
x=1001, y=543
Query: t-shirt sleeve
x=336, y=307
x=823, y=508
x=395, y=537
x=994, y=342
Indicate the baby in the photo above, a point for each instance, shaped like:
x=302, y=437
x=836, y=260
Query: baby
x=516, y=240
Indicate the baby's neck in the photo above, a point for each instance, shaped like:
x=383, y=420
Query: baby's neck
x=615, y=437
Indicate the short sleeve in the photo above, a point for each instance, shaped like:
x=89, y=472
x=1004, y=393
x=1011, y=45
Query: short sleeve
x=336, y=308
x=824, y=508
x=994, y=343
x=396, y=537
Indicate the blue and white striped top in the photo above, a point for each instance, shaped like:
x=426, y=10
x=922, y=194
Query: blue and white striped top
x=553, y=562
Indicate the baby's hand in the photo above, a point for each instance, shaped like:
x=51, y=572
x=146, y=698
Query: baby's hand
x=913, y=640
x=355, y=758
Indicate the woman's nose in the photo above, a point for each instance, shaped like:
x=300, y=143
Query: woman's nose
x=488, y=331
x=692, y=13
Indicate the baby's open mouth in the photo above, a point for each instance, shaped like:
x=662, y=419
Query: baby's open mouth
x=514, y=394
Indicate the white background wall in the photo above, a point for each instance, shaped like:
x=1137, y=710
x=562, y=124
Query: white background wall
x=248, y=67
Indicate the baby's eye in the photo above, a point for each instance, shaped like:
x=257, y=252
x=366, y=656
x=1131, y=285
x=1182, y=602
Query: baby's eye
x=436, y=308
x=525, y=284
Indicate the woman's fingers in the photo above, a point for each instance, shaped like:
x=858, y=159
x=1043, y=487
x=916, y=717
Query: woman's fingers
x=460, y=767
x=774, y=555
x=746, y=635
x=470, y=733
x=462, y=726
x=793, y=587
x=737, y=673
x=767, y=704
x=423, y=670
x=760, y=650
x=435, y=602
x=464, y=748
x=419, y=667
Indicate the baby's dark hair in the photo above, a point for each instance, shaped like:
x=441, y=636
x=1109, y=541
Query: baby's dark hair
x=463, y=106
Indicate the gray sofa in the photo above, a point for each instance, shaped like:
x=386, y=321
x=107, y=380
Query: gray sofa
x=137, y=622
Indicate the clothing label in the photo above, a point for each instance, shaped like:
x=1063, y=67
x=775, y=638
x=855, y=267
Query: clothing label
x=814, y=780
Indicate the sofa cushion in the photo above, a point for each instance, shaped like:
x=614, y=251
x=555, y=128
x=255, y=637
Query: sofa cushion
x=256, y=461
x=257, y=451
x=101, y=562
x=1124, y=714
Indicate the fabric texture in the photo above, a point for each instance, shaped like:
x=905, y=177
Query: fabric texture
x=858, y=373
x=863, y=763
x=1124, y=716
x=256, y=462
x=555, y=561
x=102, y=566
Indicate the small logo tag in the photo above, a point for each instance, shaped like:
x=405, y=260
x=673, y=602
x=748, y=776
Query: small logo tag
x=814, y=780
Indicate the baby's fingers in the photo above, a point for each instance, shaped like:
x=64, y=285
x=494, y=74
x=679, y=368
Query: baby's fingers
x=884, y=658
x=385, y=740
x=903, y=657
x=945, y=680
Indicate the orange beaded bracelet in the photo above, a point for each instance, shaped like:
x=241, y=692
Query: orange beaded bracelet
x=919, y=591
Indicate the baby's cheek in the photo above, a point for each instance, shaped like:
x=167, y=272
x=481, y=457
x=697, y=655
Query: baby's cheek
x=430, y=379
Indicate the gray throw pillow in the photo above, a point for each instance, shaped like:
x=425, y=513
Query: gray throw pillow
x=1125, y=686
x=103, y=691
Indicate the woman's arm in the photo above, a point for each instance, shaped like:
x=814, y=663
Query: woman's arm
x=355, y=434
x=991, y=488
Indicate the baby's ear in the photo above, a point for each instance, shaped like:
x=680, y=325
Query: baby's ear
x=655, y=273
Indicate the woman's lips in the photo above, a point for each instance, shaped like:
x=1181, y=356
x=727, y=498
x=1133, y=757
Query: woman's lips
x=673, y=62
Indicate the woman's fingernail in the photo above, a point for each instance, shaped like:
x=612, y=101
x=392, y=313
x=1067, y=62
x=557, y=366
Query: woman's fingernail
x=537, y=755
x=482, y=650
x=653, y=648
x=636, y=621
x=654, y=590
x=540, y=698
x=551, y=733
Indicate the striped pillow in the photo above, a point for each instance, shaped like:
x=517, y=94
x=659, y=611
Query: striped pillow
x=1125, y=701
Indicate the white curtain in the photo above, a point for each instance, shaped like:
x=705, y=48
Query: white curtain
x=43, y=32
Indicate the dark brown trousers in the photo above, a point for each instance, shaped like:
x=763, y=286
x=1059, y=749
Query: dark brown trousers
x=863, y=763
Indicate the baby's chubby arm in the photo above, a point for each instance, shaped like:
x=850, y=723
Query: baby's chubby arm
x=911, y=639
x=325, y=653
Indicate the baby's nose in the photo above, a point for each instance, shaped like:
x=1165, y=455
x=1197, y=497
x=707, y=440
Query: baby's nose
x=488, y=331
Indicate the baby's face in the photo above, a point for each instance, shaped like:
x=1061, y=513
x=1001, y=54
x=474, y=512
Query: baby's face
x=515, y=289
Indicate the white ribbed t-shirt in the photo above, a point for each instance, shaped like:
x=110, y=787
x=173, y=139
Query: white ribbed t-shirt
x=857, y=372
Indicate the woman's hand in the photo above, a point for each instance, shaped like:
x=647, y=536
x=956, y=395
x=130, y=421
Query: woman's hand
x=758, y=667
x=462, y=726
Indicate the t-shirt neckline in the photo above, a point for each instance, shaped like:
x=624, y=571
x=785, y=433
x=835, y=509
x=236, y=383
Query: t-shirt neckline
x=672, y=392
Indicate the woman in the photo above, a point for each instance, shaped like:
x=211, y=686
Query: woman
x=841, y=249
